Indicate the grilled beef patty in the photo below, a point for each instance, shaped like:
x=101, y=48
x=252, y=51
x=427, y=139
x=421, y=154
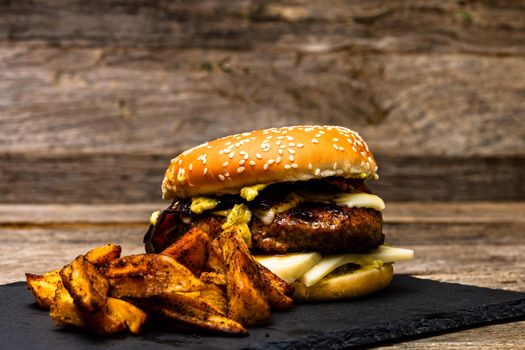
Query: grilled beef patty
x=326, y=228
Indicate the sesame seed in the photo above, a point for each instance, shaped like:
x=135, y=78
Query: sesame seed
x=317, y=171
x=291, y=144
x=258, y=155
x=315, y=141
x=287, y=166
x=292, y=158
x=277, y=143
x=180, y=162
x=225, y=164
x=335, y=139
x=341, y=148
x=242, y=161
x=300, y=145
x=336, y=147
x=295, y=166
x=282, y=146
x=228, y=143
x=280, y=151
x=317, y=135
x=226, y=173
x=222, y=177
x=246, y=157
x=205, y=171
x=265, y=166
x=231, y=155
x=191, y=167
x=277, y=160
x=354, y=149
x=335, y=166
x=203, y=160
x=291, y=151
x=252, y=162
x=240, y=169
x=242, y=153
x=310, y=166
x=271, y=161
x=266, y=150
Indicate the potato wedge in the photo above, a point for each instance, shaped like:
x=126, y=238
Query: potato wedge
x=191, y=250
x=218, y=279
x=276, y=290
x=103, y=255
x=115, y=316
x=148, y=275
x=215, y=261
x=63, y=309
x=86, y=285
x=125, y=313
x=43, y=287
x=215, y=297
x=194, y=317
x=212, y=299
x=247, y=301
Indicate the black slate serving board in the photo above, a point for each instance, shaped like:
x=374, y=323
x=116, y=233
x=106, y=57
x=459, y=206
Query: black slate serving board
x=409, y=308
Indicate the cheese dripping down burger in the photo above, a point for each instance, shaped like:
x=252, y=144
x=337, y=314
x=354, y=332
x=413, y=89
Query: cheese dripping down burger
x=299, y=197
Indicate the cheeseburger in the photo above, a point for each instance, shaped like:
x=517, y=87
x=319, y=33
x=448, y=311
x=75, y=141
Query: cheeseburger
x=297, y=195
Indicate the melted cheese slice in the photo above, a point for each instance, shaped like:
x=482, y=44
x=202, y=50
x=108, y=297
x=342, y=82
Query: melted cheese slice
x=360, y=200
x=329, y=263
x=290, y=267
x=310, y=268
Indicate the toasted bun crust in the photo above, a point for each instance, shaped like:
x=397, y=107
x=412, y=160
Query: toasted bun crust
x=346, y=286
x=295, y=153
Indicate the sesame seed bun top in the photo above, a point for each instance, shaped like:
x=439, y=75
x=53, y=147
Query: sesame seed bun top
x=295, y=153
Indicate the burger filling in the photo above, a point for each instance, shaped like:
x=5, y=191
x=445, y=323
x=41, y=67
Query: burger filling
x=328, y=216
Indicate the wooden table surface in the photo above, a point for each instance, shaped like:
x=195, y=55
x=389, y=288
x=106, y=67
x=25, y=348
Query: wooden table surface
x=472, y=243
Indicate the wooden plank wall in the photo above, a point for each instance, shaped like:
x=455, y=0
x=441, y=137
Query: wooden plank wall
x=97, y=96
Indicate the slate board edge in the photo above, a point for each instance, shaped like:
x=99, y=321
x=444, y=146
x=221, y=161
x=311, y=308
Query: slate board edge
x=429, y=324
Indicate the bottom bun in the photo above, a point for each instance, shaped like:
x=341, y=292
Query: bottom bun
x=347, y=286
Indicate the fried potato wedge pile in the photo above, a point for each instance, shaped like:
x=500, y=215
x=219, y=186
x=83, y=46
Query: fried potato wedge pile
x=196, y=283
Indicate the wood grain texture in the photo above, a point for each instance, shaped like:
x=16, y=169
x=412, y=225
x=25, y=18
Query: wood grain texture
x=166, y=100
x=470, y=26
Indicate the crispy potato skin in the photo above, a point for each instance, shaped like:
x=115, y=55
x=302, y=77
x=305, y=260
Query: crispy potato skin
x=190, y=315
x=277, y=291
x=247, y=301
x=149, y=275
x=103, y=255
x=115, y=316
x=63, y=309
x=218, y=279
x=190, y=250
x=126, y=313
x=87, y=286
x=43, y=287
